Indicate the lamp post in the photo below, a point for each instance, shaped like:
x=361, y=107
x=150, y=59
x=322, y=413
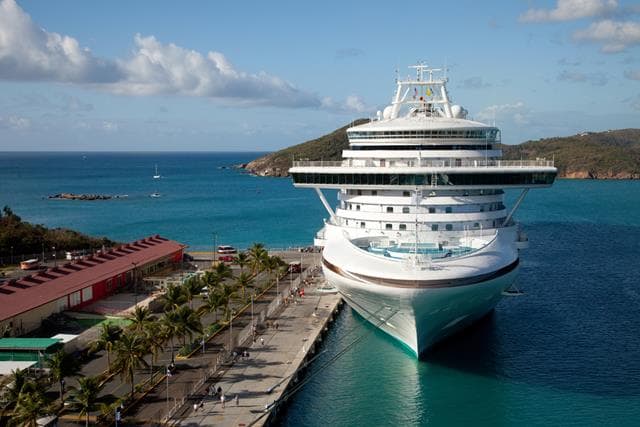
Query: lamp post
x=168, y=375
x=118, y=414
x=11, y=254
x=55, y=264
x=43, y=260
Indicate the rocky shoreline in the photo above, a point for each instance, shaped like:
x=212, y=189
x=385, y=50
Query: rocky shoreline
x=71, y=196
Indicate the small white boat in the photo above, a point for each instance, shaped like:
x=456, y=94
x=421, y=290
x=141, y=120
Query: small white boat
x=154, y=195
x=157, y=175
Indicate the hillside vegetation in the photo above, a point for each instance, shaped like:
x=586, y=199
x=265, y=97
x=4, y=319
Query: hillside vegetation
x=26, y=238
x=612, y=154
x=327, y=147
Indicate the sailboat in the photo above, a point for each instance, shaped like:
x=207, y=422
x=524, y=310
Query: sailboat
x=157, y=175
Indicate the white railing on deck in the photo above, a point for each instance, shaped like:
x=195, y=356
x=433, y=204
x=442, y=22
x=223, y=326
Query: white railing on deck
x=426, y=163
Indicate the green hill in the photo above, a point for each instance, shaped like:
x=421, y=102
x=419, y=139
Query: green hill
x=327, y=147
x=613, y=154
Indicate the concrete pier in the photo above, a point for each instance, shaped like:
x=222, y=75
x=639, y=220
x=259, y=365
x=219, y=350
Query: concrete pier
x=274, y=360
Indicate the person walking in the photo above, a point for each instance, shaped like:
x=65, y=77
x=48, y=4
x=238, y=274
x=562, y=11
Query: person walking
x=222, y=400
x=261, y=340
x=237, y=399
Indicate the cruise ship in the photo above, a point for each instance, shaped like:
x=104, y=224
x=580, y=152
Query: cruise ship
x=421, y=243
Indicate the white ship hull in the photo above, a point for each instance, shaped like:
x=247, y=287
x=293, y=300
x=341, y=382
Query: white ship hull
x=421, y=306
x=419, y=318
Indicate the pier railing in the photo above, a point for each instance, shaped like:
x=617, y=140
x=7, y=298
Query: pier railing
x=425, y=163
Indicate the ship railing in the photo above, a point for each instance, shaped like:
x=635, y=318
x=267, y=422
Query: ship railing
x=422, y=163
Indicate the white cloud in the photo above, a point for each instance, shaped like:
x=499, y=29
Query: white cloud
x=632, y=74
x=15, y=123
x=567, y=10
x=473, y=83
x=27, y=52
x=516, y=112
x=352, y=104
x=615, y=36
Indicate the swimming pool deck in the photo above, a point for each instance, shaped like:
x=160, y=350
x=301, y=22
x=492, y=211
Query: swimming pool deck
x=274, y=360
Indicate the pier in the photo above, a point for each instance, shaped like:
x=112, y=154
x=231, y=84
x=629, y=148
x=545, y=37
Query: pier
x=273, y=363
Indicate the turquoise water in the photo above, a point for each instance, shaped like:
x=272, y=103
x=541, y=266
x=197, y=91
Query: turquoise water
x=565, y=353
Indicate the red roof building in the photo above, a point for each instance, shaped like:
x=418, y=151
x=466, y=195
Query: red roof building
x=24, y=303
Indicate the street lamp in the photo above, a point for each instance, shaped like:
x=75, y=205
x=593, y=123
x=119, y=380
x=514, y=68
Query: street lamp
x=55, y=264
x=168, y=375
x=11, y=254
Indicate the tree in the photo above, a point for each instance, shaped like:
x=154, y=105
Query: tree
x=31, y=405
x=241, y=260
x=130, y=351
x=226, y=293
x=212, y=303
x=242, y=281
x=140, y=318
x=17, y=380
x=109, y=334
x=85, y=398
x=169, y=322
x=222, y=272
x=192, y=288
x=257, y=254
x=188, y=322
x=155, y=338
x=61, y=365
x=173, y=297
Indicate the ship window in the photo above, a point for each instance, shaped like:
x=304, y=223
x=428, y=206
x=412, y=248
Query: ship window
x=388, y=226
x=476, y=225
x=374, y=192
x=403, y=226
x=362, y=225
x=389, y=209
x=405, y=210
x=447, y=209
x=357, y=207
x=359, y=192
x=406, y=194
x=432, y=210
x=434, y=227
x=448, y=227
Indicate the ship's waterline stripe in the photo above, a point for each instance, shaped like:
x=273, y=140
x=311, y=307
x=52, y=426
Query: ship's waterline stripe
x=443, y=283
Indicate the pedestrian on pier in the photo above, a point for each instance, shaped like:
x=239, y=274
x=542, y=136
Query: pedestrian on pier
x=222, y=400
x=261, y=340
x=237, y=399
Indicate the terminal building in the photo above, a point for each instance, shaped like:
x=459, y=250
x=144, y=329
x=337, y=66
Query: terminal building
x=26, y=302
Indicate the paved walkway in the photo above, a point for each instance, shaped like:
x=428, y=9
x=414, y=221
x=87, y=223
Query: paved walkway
x=274, y=359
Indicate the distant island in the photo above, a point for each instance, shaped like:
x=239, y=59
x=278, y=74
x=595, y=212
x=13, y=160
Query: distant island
x=613, y=154
x=18, y=237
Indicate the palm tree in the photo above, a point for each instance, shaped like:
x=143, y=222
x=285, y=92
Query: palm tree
x=18, y=379
x=192, y=288
x=188, y=322
x=170, y=329
x=173, y=297
x=31, y=405
x=109, y=334
x=85, y=398
x=62, y=365
x=211, y=304
x=130, y=351
x=256, y=255
x=140, y=318
x=155, y=337
x=244, y=280
x=226, y=293
x=241, y=260
x=223, y=271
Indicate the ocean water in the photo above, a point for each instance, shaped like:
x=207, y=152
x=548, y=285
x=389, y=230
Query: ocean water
x=565, y=353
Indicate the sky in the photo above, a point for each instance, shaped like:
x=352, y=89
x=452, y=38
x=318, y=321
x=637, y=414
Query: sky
x=259, y=76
